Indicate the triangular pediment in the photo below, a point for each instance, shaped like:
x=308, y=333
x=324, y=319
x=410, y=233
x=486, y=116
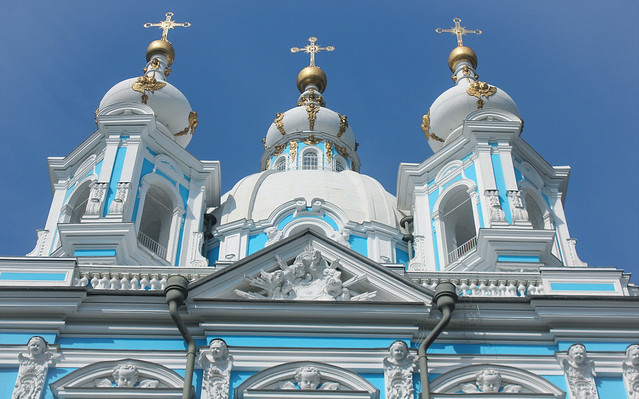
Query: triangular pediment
x=308, y=267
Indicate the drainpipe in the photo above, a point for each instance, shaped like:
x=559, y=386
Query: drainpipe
x=445, y=299
x=408, y=237
x=176, y=292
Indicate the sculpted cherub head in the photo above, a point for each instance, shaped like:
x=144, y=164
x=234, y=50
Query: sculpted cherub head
x=36, y=346
x=577, y=354
x=308, y=377
x=398, y=351
x=632, y=354
x=125, y=375
x=488, y=380
x=219, y=350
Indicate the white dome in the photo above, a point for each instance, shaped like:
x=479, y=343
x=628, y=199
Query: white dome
x=449, y=110
x=360, y=197
x=296, y=120
x=169, y=105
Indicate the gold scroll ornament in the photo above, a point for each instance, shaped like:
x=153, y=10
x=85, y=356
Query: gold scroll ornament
x=426, y=128
x=191, y=127
x=479, y=90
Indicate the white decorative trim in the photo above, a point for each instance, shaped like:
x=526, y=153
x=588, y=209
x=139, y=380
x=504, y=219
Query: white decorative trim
x=97, y=195
x=197, y=260
x=38, y=250
x=512, y=380
x=93, y=381
x=349, y=384
x=121, y=195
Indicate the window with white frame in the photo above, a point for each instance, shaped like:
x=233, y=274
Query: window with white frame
x=280, y=164
x=458, y=223
x=310, y=160
x=155, y=224
x=339, y=166
x=79, y=203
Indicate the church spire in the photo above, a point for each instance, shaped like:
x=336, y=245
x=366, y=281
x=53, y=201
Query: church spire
x=461, y=52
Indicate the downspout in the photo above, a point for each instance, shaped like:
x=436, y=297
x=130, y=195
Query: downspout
x=445, y=299
x=408, y=236
x=176, y=292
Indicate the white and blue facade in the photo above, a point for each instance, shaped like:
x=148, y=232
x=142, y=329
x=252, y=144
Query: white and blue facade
x=131, y=208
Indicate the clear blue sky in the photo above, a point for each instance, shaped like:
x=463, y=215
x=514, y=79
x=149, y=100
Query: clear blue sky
x=571, y=66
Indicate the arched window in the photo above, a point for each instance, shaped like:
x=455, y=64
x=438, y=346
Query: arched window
x=458, y=223
x=280, y=164
x=309, y=160
x=160, y=219
x=339, y=166
x=78, y=202
x=156, y=221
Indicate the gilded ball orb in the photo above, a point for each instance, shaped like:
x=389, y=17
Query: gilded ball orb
x=160, y=47
x=462, y=53
x=311, y=75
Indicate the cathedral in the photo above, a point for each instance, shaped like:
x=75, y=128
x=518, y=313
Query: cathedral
x=308, y=279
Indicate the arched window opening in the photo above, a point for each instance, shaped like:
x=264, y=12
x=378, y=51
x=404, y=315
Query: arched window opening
x=339, y=166
x=81, y=198
x=459, y=224
x=535, y=215
x=155, y=224
x=309, y=160
x=280, y=164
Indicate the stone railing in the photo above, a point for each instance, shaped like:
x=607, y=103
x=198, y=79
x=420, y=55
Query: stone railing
x=483, y=283
x=124, y=278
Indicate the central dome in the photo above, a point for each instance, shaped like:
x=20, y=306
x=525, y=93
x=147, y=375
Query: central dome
x=360, y=197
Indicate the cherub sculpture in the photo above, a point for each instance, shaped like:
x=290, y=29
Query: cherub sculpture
x=580, y=373
x=34, y=364
x=489, y=381
x=126, y=375
x=630, y=369
x=398, y=371
x=309, y=378
x=217, y=365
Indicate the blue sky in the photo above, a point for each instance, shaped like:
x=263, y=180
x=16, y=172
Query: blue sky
x=569, y=65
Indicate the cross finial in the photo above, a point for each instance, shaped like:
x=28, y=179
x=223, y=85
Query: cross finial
x=312, y=49
x=167, y=24
x=459, y=31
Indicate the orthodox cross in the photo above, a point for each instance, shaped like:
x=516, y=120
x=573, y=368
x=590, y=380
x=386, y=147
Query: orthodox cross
x=459, y=31
x=167, y=24
x=312, y=49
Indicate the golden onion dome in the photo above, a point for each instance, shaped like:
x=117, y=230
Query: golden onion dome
x=161, y=47
x=461, y=53
x=311, y=75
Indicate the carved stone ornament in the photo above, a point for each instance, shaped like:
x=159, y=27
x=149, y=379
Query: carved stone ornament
x=492, y=381
x=309, y=277
x=193, y=122
x=147, y=83
x=309, y=378
x=426, y=128
x=273, y=235
x=126, y=375
x=311, y=110
x=279, y=123
x=489, y=381
x=517, y=207
x=630, y=369
x=343, y=124
x=217, y=364
x=496, y=213
x=580, y=373
x=96, y=198
x=34, y=365
x=121, y=194
x=311, y=140
x=398, y=372
x=39, y=247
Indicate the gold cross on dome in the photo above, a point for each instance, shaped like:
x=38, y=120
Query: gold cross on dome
x=167, y=24
x=459, y=31
x=312, y=49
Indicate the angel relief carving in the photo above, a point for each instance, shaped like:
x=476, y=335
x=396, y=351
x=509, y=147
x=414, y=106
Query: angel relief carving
x=309, y=277
x=309, y=378
x=217, y=364
x=398, y=371
x=630, y=369
x=34, y=364
x=489, y=381
x=126, y=375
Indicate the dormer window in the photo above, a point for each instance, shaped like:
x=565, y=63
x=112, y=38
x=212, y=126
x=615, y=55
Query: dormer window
x=310, y=160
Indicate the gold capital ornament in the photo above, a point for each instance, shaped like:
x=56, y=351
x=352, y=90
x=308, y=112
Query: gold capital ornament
x=167, y=24
x=312, y=49
x=458, y=31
